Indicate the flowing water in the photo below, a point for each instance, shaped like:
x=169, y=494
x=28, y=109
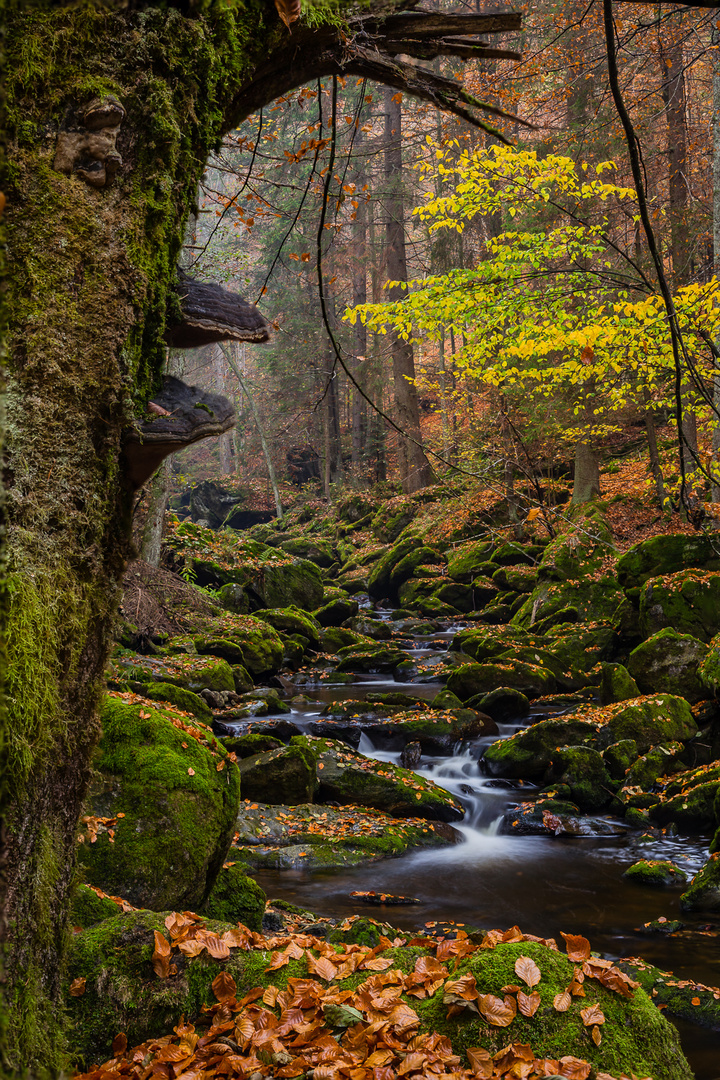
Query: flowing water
x=544, y=884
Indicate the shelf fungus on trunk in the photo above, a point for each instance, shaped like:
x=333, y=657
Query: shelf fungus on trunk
x=86, y=144
x=177, y=417
x=211, y=313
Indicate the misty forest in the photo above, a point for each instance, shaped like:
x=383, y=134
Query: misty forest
x=360, y=540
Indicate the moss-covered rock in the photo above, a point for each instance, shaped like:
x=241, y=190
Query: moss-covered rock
x=317, y=837
x=684, y=998
x=311, y=548
x=244, y=746
x=285, y=775
x=377, y=658
x=235, y=898
x=515, y=579
x=349, y=778
x=233, y=597
x=471, y=679
x=335, y=638
x=379, y=576
x=616, y=684
x=392, y=518
x=709, y=669
x=336, y=611
x=405, y=568
x=581, y=647
x=254, y=641
x=122, y=993
x=582, y=769
x=463, y=598
x=374, y=629
x=619, y=757
x=466, y=560
x=650, y=720
x=190, y=671
x=527, y=754
x=502, y=704
x=669, y=662
x=490, y=642
x=172, y=796
x=687, y=601
x=692, y=809
x=645, y=771
x=657, y=873
x=595, y=599
x=703, y=893
x=291, y=620
x=666, y=554
x=177, y=695
x=90, y=905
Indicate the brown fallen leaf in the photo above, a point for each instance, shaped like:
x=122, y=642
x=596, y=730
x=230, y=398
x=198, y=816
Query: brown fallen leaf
x=288, y=10
x=77, y=987
x=527, y=970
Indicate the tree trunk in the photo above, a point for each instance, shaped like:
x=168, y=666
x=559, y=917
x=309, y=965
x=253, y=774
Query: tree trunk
x=94, y=257
x=415, y=471
x=224, y=442
x=586, y=485
x=359, y=296
x=716, y=253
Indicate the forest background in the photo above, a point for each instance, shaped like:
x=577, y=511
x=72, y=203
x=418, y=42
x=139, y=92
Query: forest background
x=532, y=339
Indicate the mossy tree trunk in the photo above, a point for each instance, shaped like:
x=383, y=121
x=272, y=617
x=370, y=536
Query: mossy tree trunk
x=93, y=268
x=112, y=108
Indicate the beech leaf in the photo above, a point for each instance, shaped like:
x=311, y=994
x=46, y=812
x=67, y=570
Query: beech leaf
x=527, y=970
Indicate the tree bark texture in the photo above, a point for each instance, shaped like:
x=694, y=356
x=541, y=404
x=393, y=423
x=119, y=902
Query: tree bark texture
x=95, y=221
x=415, y=471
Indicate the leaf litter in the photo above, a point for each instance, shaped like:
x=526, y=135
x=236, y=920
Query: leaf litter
x=316, y=1030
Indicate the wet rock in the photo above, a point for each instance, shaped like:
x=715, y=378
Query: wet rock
x=515, y=579
x=583, y=770
x=245, y=640
x=656, y=873
x=233, y=597
x=174, y=811
x=471, y=679
x=285, y=775
x=249, y=745
x=703, y=893
x=374, y=629
x=283, y=730
x=313, y=549
x=489, y=643
x=668, y=662
x=193, y=673
x=555, y=817
x=376, y=659
x=502, y=704
x=616, y=684
x=351, y=779
x=335, y=638
x=658, y=761
x=410, y=755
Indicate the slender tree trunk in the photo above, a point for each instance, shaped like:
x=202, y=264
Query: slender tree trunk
x=655, y=466
x=359, y=296
x=415, y=470
x=586, y=485
x=235, y=366
x=224, y=442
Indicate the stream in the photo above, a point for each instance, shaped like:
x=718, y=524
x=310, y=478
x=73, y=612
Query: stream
x=544, y=884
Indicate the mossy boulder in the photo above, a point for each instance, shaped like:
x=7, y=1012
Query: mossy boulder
x=255, y=642
x=619, y=757
x=490, y=642
x=656, y=873
x=647, y=721
x=233, y=597
x=669, y=662
x=650, y=720
x=376, y=658
x=666, y=554
x=317, y=837
x=311, y=548
x=709, y=669
x=527, y=754
x=578, y=649
x=466, y=560
x=691, y=809
x=122, y=993
x=502, y=704
x=392, y=518
x=349, y=778
x=235, y=898
x=595, y=599
x=336, y=611
x=291, y=620
x=186, y=670
x=374, y=629
x=379, y=576
x=676, y=996
x=285, y=775
x=405, y=568
x=177, y=695
x=687, y=601
x=335, y=638
x=512, y=554
x=244, y=746
x=582, y=769
x=616, y=684
x=703, y=893
x=174, y=795
x=515, y=579
x=530, y=679
x=645, y=771
x=90, y=906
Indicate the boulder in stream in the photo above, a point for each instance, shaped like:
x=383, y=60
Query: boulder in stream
x=532, y=680
x=668, y=662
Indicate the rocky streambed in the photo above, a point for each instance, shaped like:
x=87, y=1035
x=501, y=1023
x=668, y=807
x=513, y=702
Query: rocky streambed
x=501, y=732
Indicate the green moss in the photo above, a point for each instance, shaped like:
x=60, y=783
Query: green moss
x=235, y=897
x=87, y=908
x=176, y=695
x=656, y=873
x=177, y=811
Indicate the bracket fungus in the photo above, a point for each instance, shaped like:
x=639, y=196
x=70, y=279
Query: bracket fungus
x=176, y=417
x=86, y=145
x=211, y=313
